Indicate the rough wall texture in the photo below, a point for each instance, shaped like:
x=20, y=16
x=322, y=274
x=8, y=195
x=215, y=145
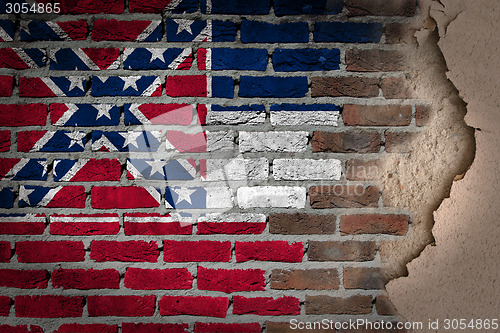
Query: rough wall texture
x=222, y=166
x=463, y=263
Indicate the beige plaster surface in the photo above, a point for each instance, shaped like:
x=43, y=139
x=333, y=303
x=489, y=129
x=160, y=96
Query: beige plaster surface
x=458, y=276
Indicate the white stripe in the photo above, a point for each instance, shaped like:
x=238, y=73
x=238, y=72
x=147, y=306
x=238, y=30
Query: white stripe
x=133, y=171
x=103, y=141
x=233, y=217
x=209, y=6
x=5, y=36
x=188, y=166
x=74, y=169
x=173, y=4
x=52, y=86
x=134, y=109
x=152, y=88
x=86, y=60
x=72, y=108
x=26, y=218
x=149, y=29
x=81, y=219
x=58, y=30
x=43, y=141
x=180, y=58
x=208, y=60
x=157, y=219
x=48, y=197
x=209, y=85
x=15, y=169
x=26, y=58
x=154, y=193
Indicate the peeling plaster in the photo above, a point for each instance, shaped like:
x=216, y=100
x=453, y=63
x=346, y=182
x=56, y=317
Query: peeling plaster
x=457, y=276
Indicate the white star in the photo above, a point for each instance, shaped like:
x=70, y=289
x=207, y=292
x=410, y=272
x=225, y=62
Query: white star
x=44, y=165
x=156, y=166
x=103, y=79
x=103, y=110
x=184, y=194
x=76, y=82
x=76, y=138
x=23, y=194
x=157, y=54
x=130, y=81
x=184, y=25
x=56, y=162
x=130, y=138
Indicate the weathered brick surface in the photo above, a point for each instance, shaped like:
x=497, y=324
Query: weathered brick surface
x=351, y=142
x=200, y=166
x=323, y=304
x=377, y=115
x=301, y=224
x=343, y=196
x=341, y=251
x=345, y=86
x=363, y=278
x=374, y=60
x=322, y=279
x=374, y=224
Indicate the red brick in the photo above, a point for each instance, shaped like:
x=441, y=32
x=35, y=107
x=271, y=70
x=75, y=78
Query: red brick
x=118, y=30
x=10, y=59
x=230, y=228
x=48, y=306
x=86, y=279
x=24, y=225
x=400, y=142
x=186, y=85
x=122, y=306
x=317, y=279
x=152, y=224
x=154, y=328
x=346, y=142
x=376, y=115
x=230, y=280
x=398, y=33
x=266, y=306
x=76, y=30
x=301, y=224
x=194, y=306
x=341, y=251
x=375, y=60
x=5, y=251
x=151, y=279
x=374, y=224
x=15, y=115
x=381, y=7
x=56, y=251
x=24, y=279
x=20, y=329
x=362, y=169
x=384, y=306
x=363, y=278
x=343, y=196
x=5, y=302
x=396, y=88
x=4, y=141
x=6, y=85
x=186, y=251
x=269, y=251
x=92, y=6
x=86, y=328
x=84, y=224
x=345, y=86
x=129, y=251
x=422, y=115
x=109, y=197
x=97, y=170
x=354, y=305
x=227, y=328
